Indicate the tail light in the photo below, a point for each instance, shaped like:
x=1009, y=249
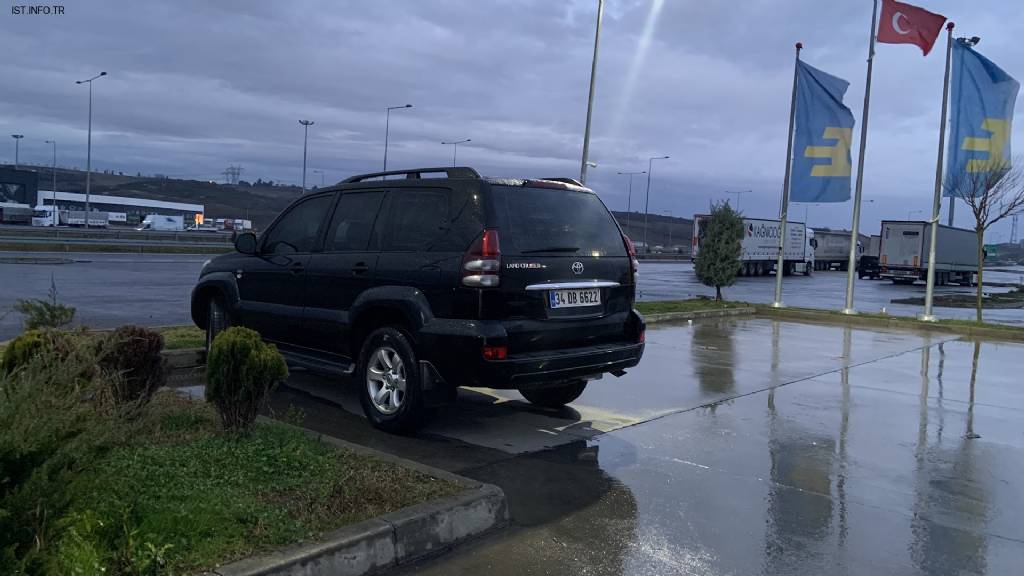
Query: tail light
x=495, y=352
x=482, y=263
x=633, y=264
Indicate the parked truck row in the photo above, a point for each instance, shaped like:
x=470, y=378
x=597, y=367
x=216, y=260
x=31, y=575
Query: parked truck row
x=899, y=253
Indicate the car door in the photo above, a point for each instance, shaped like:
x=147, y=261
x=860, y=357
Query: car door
x=271, y=284
x=341, y=271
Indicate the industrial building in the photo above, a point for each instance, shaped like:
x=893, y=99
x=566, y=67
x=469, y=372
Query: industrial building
x=134, y=209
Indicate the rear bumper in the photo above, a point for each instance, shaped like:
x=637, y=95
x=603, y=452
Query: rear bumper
x=454, y=349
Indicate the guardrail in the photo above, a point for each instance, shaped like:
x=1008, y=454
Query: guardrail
x=106, y=234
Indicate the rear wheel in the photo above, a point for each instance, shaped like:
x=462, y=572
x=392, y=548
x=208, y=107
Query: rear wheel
x=555, y=396
x=389, y=382
x=217, y=320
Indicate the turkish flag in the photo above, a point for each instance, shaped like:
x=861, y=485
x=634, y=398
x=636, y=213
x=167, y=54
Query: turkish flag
x=907, y=24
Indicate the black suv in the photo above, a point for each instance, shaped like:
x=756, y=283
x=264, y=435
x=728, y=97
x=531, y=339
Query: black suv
x=416, y=282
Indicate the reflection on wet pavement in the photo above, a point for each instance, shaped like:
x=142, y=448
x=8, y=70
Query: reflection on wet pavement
x=752, y=447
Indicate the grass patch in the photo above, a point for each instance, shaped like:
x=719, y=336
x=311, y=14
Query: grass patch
x=692, y=305
x=175, y=494
x=893, y=319
x=179, y=337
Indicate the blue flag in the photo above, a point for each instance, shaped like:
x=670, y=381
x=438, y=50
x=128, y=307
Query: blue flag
x=982, y=115
x=821, y=143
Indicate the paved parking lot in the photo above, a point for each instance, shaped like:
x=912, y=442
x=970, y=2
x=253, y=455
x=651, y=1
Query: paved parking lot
x=740, y=446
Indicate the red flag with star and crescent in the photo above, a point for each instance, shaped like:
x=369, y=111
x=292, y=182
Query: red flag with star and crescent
x=908, y=24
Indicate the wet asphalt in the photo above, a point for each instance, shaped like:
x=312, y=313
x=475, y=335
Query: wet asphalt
x=739, y=446
x=153, y=289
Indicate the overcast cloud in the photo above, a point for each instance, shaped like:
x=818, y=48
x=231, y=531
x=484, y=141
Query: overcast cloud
x=195, y=86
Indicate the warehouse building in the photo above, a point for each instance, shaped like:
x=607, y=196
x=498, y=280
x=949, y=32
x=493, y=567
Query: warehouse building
x=134, y=209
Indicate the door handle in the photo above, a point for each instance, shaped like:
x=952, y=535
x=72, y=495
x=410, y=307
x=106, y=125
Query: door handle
x=360, y=268
x=296, y=268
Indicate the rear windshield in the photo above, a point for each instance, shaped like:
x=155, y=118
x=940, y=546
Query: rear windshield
x=549, y=221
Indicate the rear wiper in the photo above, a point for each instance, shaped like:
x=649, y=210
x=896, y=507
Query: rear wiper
x=553, y=249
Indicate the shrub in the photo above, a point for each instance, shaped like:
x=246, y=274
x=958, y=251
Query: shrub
x=241, y=370
x=33, y=344
x=133, y=353
x=48, y=313
x=720, y=248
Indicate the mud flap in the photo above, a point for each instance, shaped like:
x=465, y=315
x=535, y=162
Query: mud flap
x=436, y=392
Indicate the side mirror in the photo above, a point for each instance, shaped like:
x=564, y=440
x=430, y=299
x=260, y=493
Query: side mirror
x=245, y=243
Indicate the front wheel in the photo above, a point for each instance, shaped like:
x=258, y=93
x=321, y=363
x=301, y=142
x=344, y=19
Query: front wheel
x=389, y=382
x=555, y=396
x=217, y=320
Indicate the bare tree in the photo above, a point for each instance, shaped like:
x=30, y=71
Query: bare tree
x=992, y=192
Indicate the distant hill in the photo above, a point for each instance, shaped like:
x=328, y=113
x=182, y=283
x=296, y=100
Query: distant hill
x=262, y=202
x=662, y=230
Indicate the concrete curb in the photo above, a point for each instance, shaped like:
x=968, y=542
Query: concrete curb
x=697, y=314
x=895, y=322
x=391, y=540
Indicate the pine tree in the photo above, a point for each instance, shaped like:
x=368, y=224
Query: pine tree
x=718, y=260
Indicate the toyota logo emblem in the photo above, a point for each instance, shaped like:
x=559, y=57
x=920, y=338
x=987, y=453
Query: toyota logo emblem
x=577, y=267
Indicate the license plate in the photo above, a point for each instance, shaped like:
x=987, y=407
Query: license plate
x=573, y=298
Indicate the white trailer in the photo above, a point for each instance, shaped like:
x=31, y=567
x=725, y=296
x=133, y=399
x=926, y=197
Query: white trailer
x=46, y=216
x=832, y=249
x=77, y=218
x=163, y=222
x=760, y=246
x=903, y=253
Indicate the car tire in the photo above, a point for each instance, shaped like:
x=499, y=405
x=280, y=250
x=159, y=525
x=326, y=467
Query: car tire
x=217, y=320
x=388, y=378
x=555, y=396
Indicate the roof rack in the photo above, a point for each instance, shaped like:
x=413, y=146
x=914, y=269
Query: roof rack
x=416, y=173
x=565, y=180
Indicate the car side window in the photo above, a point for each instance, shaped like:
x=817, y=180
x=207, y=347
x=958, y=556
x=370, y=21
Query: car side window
x=296, y=231
x=352, y=222
x=416, y=219
x=432, y=220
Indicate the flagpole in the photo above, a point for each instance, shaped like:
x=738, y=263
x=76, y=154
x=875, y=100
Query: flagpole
x=852, y=264
x=784, y=209
x=929, y=292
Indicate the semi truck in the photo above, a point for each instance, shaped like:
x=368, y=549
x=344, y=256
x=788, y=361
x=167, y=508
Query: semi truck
x=867, y=266
x=760, y=246
x=12, y=213
x=832, y=249
x=903, y=253
x=163, y=222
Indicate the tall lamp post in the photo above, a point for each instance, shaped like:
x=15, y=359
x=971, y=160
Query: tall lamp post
x=647, y=201
x=53, y=188
x=88, y=152
x=738, y=193
x=590, y=98
x=455, y=147
x=670, y=215
x=321, y=172
x=629, y=194
x=387, y=130
x=17, y=141
x=305, y=140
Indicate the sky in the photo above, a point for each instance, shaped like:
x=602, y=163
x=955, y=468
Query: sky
x=194, y=86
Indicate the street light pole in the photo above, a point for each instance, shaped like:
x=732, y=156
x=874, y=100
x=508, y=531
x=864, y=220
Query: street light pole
x=305, y=140
x=321, y=172
x=590, y=98
x=669, y=213
x=647, y=201
x=629, y=195
x=387, y=130
x=53, y=188
x=737, y=193
x=88, y=153
x=17, y=140
x=455, y=148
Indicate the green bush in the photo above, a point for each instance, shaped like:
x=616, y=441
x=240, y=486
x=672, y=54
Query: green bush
x=22, y=350
x=718, y=261
x=55, y=420
x=132, y=354
x=241, y=371
x=48, y=313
